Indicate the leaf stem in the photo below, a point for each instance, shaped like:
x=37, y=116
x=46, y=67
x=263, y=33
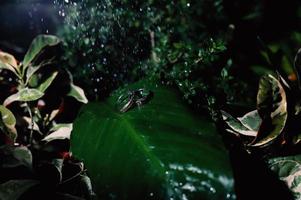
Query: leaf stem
x=31, y=122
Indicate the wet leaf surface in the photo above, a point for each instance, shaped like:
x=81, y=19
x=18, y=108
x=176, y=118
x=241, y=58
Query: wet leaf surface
x=158, y=150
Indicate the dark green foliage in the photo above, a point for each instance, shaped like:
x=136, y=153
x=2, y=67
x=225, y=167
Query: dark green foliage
x=110, y=43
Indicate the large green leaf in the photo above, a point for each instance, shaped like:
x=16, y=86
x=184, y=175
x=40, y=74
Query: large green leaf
x=288, y=170
x=272, y=108
x=158, y=150
x=25, y=94
x=40, y=42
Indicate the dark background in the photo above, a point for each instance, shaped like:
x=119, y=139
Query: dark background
x=22, y=20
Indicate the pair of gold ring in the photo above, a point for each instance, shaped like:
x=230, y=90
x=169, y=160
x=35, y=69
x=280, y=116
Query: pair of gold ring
x=133, y=98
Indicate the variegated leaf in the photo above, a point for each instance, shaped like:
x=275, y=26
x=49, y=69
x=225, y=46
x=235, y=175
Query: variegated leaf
x=288, y=170
x=272, y=108
x=237, y=125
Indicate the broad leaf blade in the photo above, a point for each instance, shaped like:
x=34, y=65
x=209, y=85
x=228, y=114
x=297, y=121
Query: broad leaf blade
x=43, y=87
x=159, y=150
x=78, y=93
x=25, y=94
x=37, y=45
x=272, y=107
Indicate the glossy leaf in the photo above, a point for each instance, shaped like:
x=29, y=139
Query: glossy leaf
x=243, y=126
x=39, y=43
x=14, y=189
x=288, y=170
x=43, y=87
x=9, y=121
x=158, y=150
x=272, y=108
x=25, y=94
x=78, y=93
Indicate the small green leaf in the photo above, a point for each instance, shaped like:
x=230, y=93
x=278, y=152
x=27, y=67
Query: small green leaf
x=78, y=93
x=43, y=87
x=37, y=45
x=237, y=125
x=60, y=132
x=9, y=122
x=8, y=117
x=288, y=170
x=25, y=94
x=33, y=126
x=30, y=71
x=13, y=189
